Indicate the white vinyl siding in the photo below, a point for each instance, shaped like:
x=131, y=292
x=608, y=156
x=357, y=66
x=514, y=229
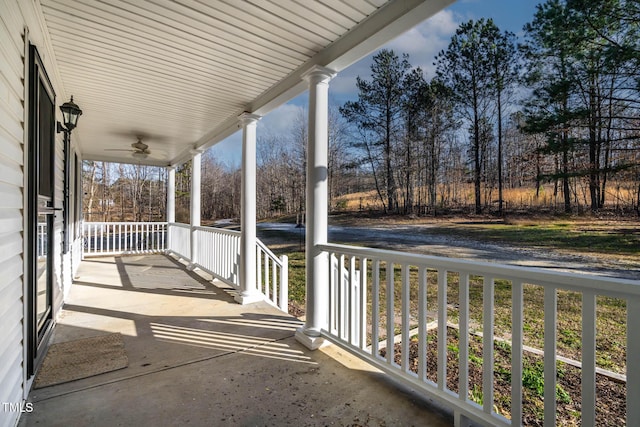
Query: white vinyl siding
x=11, y=205
x=14, y=16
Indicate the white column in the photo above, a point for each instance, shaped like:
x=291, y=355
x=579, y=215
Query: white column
x=317, y=274
x=171, y=202
x=196, y=173
x=248, y=290
x=171, y=194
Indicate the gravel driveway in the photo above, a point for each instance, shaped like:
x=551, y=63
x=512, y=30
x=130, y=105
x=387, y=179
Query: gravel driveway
x=427, y=240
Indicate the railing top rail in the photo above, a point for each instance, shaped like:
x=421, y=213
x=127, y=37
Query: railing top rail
x=537, y=276
x=124, y=222
x=218, y=230
x=179, y=224
x=269, y=253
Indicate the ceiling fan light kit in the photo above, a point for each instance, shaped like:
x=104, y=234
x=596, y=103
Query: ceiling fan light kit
x=139, y=149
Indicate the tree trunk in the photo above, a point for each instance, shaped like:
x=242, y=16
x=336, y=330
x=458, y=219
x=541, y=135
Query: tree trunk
x=476, y=153
x=499, y=152
x=593, y=148
x=565, y=178
x=391, y=184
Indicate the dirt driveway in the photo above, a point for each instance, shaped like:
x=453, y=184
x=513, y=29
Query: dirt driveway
x=428, y=240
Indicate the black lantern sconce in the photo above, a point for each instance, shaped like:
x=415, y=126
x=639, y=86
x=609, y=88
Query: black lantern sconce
x=70, y=114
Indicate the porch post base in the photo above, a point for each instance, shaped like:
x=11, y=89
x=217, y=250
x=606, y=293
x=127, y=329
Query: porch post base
x=248, y=298
x=311, y=342
x=192, y=266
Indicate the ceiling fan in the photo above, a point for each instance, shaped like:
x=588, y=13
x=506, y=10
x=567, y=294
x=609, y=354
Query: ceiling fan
x=139, y=149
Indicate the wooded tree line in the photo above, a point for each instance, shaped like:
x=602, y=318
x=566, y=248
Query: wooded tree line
x=556, y=110
x=553, y=112
x=123, y=192
x=561, y=106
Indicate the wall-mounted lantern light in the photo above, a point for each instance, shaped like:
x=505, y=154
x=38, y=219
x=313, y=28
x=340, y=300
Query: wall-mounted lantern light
x=70, y=114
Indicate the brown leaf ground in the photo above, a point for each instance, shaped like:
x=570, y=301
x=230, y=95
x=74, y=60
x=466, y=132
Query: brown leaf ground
x=610, y=399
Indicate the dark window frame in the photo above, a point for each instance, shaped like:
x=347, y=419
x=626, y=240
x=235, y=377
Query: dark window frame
x=39, y=332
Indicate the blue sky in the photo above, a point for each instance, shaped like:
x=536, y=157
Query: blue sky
x=422, y=43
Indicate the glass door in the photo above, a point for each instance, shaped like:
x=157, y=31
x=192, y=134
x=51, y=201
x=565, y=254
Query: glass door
x=43, y=280
x=41, y=209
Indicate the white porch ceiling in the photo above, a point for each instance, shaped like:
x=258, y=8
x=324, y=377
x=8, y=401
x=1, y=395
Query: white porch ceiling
x=178, y=73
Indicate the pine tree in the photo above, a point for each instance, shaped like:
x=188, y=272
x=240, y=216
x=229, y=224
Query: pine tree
x=378, y=112
x=465, y=67
x=548, y=51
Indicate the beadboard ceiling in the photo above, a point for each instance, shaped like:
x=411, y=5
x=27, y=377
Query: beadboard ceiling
x=178, y=73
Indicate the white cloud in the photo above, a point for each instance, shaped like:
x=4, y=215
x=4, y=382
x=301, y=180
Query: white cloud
x=422, y=43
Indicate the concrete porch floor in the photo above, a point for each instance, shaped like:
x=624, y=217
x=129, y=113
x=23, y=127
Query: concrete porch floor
x=198, y=358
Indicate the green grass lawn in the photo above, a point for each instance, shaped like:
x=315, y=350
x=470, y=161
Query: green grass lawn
x=574, y=236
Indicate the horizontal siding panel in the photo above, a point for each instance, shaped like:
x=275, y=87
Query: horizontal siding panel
x=11, y=296
x=10, y=171
x=11, y=16
x=12, y=100
x=11, y=205
x=11, y=80
x=11, y=269
x=10, y=146
x=10, y=220
x=11, y=19
x=11, y=384
x=10, y=244
x=7, y=353
x=12, y=121
x=11, y=196
x=13, y=419
x=12, y=128
x=11, y=348
x=10, y=53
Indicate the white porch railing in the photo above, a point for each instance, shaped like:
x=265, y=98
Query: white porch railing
x=272, y=275
x=378, y=302
x=179, y=239
x=111, y=238
x=218, y=252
